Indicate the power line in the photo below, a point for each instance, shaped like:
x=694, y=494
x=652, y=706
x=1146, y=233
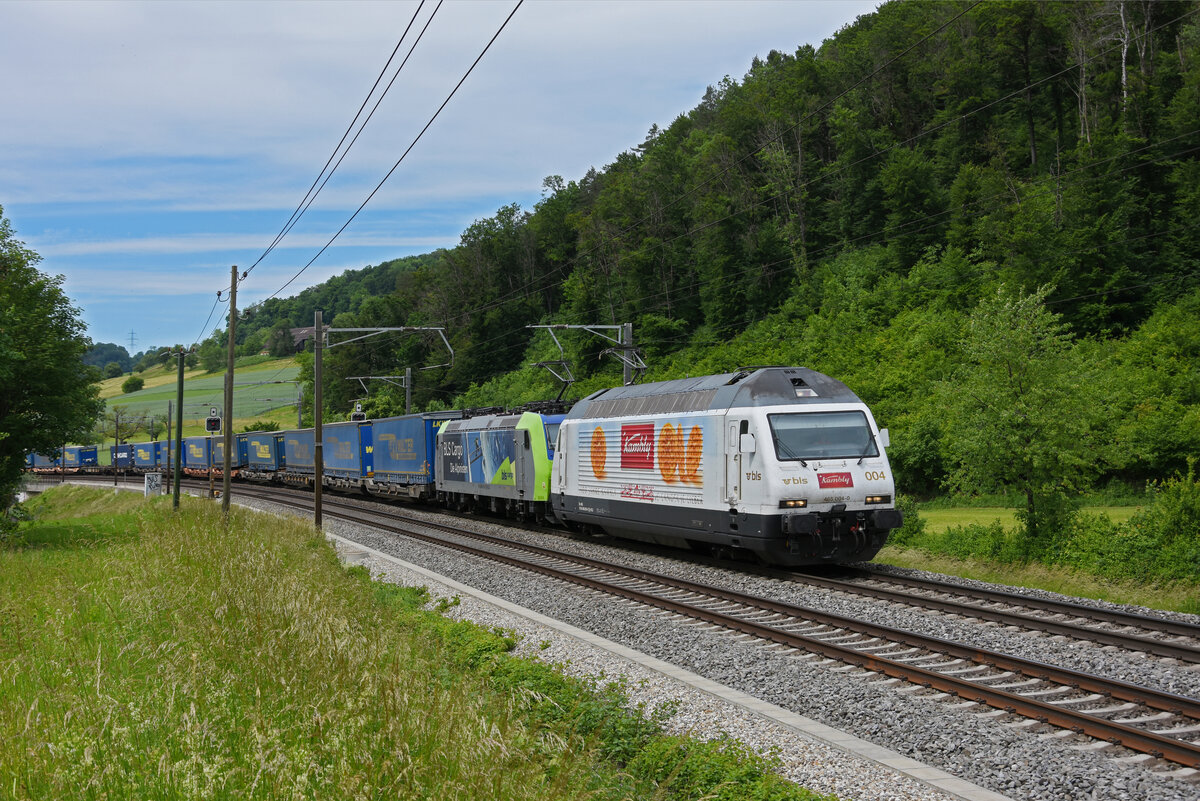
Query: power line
x=311, y=195
x=884, y=231
x=741, y=275
x=204, y=327
x=690, y=192
x=453, y=92
x=933, y=220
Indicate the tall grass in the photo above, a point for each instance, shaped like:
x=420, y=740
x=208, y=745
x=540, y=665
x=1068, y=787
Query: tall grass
x=147, y=655
x=1149, y=555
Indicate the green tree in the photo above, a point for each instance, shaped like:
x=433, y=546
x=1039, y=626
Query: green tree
x=101, y=353
x=112, y=370
x=279, y=340
x=1019, y=414
x=49, y=398
x=119, y=426
x=212, y=355
x=133, y=384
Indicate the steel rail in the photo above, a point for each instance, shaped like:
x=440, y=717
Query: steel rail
x=1182, y=652
x=1176, y=627
x=1178, y=751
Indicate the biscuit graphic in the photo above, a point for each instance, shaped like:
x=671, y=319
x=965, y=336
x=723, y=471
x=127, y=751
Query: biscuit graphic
x=599, y=452
x=670, y=452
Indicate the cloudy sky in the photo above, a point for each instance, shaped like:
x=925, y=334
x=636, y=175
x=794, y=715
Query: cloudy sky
x=145, y=147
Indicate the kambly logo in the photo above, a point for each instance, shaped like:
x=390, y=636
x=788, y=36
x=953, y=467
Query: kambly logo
x=637, y=446
x=830, y=480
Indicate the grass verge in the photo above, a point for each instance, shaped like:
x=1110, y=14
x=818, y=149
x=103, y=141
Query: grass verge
x=1179, y=597
x=1147, y=555
x=145, y=654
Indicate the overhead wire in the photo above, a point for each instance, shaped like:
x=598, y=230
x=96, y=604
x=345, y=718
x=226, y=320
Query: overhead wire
x=901, y=227
x=407, y=150
x=717, y=281
x=204, y=327
x=363, y=125
x=825, y=175
x=311, y=195
x=634, y=225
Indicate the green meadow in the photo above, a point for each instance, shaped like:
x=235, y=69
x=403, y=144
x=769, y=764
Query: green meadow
x=146, y=654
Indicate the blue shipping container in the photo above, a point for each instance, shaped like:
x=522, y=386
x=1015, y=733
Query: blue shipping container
x=145, y=455
x=348, y=451
x=404, y=448
x=298, y=451
x=81, y=456
x=264, y=450
x=121, y=456
x=197, y=454
x=239, y=451
x=41, y=461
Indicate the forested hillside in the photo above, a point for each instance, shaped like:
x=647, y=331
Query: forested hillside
x=982, y=217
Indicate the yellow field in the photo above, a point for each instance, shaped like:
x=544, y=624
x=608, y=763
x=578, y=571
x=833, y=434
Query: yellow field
x=938, y=520
x=154, y=377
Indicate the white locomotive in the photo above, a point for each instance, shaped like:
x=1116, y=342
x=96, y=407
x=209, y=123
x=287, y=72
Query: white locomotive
x=781, y=461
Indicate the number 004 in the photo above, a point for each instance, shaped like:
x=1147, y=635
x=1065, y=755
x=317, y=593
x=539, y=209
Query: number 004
x=875, y=475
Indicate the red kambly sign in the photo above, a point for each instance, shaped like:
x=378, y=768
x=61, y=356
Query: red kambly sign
x=829, y=480
x=637, y=446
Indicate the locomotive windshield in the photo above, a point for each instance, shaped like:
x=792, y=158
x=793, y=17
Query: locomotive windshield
x=822, y=435
x=551, y=438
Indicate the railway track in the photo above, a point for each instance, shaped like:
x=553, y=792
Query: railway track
x=1145, y=720
x=1165, y=638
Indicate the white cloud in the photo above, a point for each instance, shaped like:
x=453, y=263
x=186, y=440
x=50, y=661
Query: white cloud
x=568, y=85
x=207, y=243
x=137, y=134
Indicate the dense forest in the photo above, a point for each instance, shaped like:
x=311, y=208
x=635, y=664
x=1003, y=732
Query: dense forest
x=982, y=217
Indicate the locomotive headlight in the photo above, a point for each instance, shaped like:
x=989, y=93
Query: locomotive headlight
x=879, y=499
x=793, y=504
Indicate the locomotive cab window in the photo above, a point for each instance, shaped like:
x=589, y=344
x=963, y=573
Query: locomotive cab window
x=551, y=438
x=822, y=435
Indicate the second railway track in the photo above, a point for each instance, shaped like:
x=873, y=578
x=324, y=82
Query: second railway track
x=1141, y=719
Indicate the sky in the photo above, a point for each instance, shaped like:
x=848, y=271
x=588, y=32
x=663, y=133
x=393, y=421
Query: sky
x=146, y=147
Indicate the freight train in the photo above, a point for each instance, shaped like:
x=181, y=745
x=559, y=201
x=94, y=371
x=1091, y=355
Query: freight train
x=781, y=462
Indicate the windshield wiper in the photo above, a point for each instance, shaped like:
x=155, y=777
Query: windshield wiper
x=789, y=453
x=867, y=450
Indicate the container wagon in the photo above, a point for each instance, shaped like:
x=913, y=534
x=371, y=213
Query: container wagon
x=404, y=454
x=79, y=456
x=348, y=453
x=298, y=453
x=197, y=455
x=264, y=455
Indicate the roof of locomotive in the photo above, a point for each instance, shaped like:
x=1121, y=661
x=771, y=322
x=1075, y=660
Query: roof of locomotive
x=753, y=387
x=483, y=423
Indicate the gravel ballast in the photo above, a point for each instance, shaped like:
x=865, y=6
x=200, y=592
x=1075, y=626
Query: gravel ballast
x=991, y=749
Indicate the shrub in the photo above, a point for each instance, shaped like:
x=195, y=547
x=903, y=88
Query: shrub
x=914, y=525
x=1168, y=530
x=132, y=384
